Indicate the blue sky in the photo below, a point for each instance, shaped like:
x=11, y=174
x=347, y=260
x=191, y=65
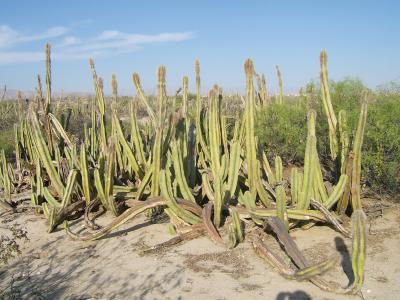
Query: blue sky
x=361, y=37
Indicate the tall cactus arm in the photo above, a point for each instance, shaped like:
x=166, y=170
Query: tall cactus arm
x=356, y=171
x=326, y=99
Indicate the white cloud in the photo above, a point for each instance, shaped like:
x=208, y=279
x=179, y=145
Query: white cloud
x=107, y=43
x=9, y=37
x=115, y=40
x=70, y=40
x=112, y=35
x=20, y=57
x=109, y=34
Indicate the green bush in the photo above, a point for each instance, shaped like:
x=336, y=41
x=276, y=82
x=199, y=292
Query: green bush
x=7, y=142
x=381, y=160
x=282, y=130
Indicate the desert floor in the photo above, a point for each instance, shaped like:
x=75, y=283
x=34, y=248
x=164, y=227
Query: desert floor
x=52, y=266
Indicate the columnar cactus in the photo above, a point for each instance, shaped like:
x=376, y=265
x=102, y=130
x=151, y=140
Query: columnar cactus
x=47, y=104
x=309, y=164
x=100, y=104
x=358, y=220
x=344, y=140
x=281, y=205
x=157, y=151
x=253, y=168
x=279, y=76
x=356, y=170
x=200, y=138
x=326, y=99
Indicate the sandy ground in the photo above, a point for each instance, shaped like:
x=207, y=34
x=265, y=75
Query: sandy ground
x=52, y=266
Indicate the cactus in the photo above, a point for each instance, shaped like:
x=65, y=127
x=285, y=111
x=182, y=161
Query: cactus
x=337, y=191
x=104, y=179
x=356, y=170
x=296, y=181
x=5, y=180
x=165, y=185
x=209, y=226
x=326, y=99
x=267, y=169
x=93, y=133
x=345, y=196
x=100, y=104
x=200, y=139
x=185, y=88
x=344, y=140
x=55, y=211
x=179, y=172
x=133, y=161
x=17, y=147
x=278, y=169
x=309, y=164
x=114, y=87
x=136, y=82
x=85, y=175
x=279, y=76
x=281, y=206
x=130, y=213
x=156, y=155
x=234, y=167
x=253, y=169
x=60, y=129
x=47, y=103
x=313, y=271
x=294, y=214
x=45, y=157
x=262, y=89
x=215, y=149
x=358, y=220
x=48, y=79
x=136, y=137
x=236, y=231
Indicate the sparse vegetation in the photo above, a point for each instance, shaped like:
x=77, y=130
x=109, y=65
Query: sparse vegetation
x=10, y=240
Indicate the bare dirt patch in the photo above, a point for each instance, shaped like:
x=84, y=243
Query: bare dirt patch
x=51, y=266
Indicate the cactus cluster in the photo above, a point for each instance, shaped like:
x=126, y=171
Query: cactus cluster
x=189, y=166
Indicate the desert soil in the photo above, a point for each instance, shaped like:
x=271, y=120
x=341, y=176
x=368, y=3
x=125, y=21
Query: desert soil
x=52, y=266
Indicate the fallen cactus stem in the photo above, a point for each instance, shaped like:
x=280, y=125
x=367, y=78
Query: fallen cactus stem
x=330, y=218
x=127, y=215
